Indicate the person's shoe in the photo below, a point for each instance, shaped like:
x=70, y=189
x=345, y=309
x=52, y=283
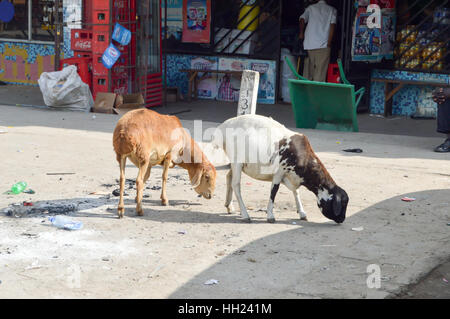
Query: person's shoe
x=444, y=147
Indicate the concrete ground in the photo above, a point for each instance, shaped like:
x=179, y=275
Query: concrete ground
x=172, y=251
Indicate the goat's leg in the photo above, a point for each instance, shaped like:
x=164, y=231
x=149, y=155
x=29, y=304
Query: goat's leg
x=299, y=205
x=273, y=192
x=146, y=177
x=236, y=184
x=140, y=186
x=165, y=174
x=121, y=208
x=229, y=198
x=298, y=202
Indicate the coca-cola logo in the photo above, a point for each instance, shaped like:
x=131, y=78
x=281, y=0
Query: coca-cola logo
x=83, y=44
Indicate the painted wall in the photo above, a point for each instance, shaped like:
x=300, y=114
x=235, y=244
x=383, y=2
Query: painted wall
x=22, y=63
x=215, y=86
x=410, y=98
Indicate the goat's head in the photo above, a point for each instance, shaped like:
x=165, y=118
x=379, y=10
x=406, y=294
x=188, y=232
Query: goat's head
x=204, y=179
x=333, y=203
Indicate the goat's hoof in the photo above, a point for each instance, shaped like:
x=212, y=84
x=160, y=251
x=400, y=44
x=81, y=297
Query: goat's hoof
x=120, y=212
x=247, y=220
x=140, y=212
x=304, y=218
x=271, y=220
x=164, y=202
x=230, y=209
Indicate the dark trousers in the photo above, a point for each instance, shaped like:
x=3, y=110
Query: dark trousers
x=443, y=117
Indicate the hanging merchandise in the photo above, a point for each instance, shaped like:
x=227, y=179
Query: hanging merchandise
x=121, y=34
x=196, y=21
x=389, y=21
x=374, y=44
x=366, y=41
x=110, y=56
x=250, y=11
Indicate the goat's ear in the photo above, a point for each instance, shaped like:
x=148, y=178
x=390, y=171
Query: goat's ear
x=337, y=206
x=197, y=178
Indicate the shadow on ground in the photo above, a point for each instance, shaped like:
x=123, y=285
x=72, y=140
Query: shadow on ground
x=330, y=261
x=312, y=260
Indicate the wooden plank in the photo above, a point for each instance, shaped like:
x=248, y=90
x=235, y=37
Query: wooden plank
x=388, y=86
x=211, y=71
x=395, y=90
x=248, y=94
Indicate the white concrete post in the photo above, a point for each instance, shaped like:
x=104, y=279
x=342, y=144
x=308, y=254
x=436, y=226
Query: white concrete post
x=248, y=94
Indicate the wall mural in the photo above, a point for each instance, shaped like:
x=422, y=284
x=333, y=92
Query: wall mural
x=22, y=63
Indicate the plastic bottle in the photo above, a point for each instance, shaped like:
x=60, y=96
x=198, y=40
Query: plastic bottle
x=19, y=187
x=64, y=222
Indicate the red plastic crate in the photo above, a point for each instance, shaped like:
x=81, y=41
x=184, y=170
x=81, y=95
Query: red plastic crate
x=120, y=67
x=120, y=85
x=100, y=4
x=83, y=68
x=333, y=75
x=82, y=54
x=100, y=17
x=100, y=42
x=99, y=84
x=81, y=40
x=97, y=66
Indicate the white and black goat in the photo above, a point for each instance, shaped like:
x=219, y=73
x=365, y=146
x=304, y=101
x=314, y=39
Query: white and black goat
x=266, y=150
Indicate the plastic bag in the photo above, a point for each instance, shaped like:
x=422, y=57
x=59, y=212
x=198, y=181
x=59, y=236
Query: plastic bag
x=65, y=89
x=110, y=56
x=121, y=34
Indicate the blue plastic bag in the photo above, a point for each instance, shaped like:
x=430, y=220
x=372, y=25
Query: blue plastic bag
x=121, y=34
x=110, y=56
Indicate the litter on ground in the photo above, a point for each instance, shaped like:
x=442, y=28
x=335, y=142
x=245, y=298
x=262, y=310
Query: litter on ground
x=211, y=282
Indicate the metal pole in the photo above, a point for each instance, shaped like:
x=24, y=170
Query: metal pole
x=278, y=64
x=110, y=40
x=58, y=28
x=164, y=42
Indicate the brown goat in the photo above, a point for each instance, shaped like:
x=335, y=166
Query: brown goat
x=148, y=138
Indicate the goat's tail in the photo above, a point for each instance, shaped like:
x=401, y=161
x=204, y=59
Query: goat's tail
x=123, y=141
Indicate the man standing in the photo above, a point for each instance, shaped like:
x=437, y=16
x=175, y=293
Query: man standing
x=320, y=21
x=442, y=97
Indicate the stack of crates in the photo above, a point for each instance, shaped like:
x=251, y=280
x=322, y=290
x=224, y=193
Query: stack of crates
x=81, y=45
x=89, y=45
x=105, y=13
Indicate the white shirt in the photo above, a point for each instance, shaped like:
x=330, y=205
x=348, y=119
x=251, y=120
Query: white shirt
x=318, y=17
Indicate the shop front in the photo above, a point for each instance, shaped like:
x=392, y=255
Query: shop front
x=406, y=58
x=222, y=36
x=27, y=38
x=399, y=62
